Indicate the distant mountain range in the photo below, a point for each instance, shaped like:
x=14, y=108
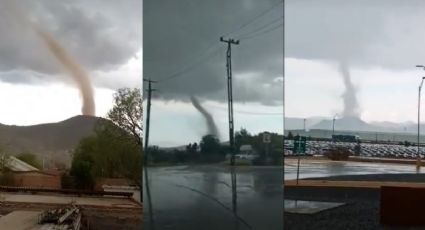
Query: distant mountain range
x=351, y=124
x=55, y=141
x=52, y=141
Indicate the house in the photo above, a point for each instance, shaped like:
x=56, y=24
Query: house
x=22, y=174
x=15, y=164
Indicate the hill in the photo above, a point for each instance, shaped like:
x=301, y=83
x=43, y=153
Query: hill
x=347, y=123
x=52, y=141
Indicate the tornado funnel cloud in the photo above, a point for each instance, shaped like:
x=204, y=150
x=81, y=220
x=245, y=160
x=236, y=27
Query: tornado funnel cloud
x=212, y=128
x=75, y=70
x=69, y=64
x=351, y=104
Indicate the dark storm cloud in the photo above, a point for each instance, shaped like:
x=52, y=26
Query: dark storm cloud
x=19, y=76
x=386, y=33
x=101, y=35
x=177, y=34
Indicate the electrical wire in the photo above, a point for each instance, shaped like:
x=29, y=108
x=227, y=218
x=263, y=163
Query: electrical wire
x=242, y=36
x=200, y=59
x=264, y=32
x=254, y=19
x=249, y=112
x=214, y=47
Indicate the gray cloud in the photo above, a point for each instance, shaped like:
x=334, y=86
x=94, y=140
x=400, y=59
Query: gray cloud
x=101, y=35
x=177, y=33
x=384, y=33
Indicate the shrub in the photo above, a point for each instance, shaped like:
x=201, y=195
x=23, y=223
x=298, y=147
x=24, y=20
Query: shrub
x=6, y=179
x=67, y=181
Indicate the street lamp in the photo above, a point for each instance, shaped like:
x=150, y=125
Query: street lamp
x=333, y=125
x=418, y=162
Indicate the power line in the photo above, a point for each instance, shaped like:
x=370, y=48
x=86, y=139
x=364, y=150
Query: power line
x=264, y=32
x=260, y=28
x=201, y=58
x=215, y=47
x=258, y=113
x=254, y=19
x=250, y=112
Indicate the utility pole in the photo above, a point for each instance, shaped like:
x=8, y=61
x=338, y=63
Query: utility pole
x=418, y=161
x=230, y=94
x=231, y=136
x=145, y=157
x=148, y=114
x=333, y=126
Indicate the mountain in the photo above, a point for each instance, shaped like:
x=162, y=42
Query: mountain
x=351, y=124
x=398, y=127
x=347, y=123
x=52, y=141
x=298, y=123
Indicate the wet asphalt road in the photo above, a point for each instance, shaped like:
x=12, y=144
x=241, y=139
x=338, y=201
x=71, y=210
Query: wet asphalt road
x=200, y=197
x=311, y=168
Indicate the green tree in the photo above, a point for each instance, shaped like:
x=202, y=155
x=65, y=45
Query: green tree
x=111, y=152
x=6, y=178
x=81, y=170
x=290, y=135
x=4, y=161
x=210, y=145
x=127, y=112
x=158, y=155
x=275, y=148
x=30, y=159
x=192, y=152
x=82, y=163
x=67, y=181
x=211, y=150
x=242, y=137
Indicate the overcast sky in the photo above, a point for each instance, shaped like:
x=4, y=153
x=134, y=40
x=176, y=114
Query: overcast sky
x=381, y=41
x=183, y=52
x=105, y=37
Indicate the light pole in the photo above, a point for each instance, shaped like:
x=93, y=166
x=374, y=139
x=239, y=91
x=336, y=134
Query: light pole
x=418, y=162
x=333, y=125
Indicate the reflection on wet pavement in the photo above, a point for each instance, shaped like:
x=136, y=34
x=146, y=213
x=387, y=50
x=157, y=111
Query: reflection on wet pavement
x=308, y=207
x=310, y=169
x=202, y=197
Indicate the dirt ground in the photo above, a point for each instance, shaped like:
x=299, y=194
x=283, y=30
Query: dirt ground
x=113, y=222
x=94, y=217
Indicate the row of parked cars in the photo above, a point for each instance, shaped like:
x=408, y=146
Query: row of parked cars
x=365, y=149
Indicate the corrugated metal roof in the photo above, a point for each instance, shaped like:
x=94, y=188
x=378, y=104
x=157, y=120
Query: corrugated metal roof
x=15, y=164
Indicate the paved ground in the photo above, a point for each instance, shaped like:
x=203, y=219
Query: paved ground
x=200, y=197
x=62, y=199
x=324, y=168
x=352, y=183
x=361, y=210
x=20, y=220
